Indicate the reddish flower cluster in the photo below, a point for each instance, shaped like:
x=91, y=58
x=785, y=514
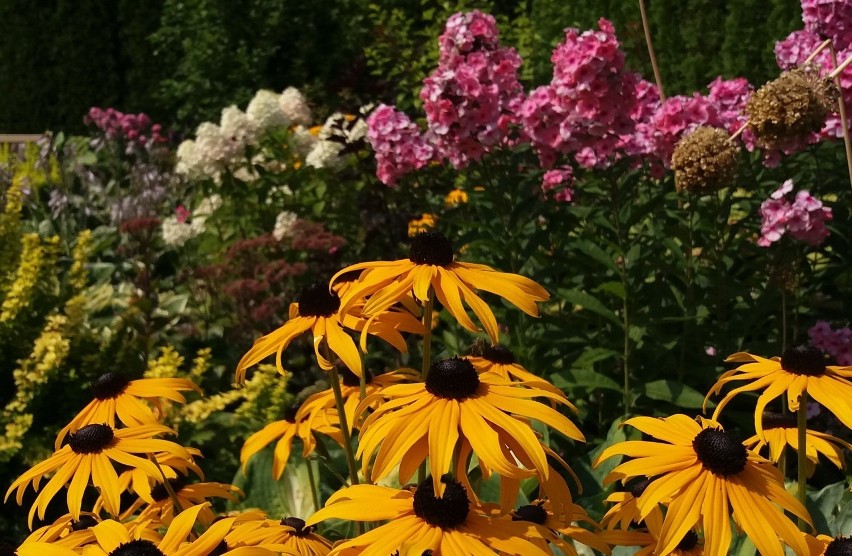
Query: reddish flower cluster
x=837, y=343
x=804, y=217
x=588, y=104
x=470, y=97
x=678, y=116
x=135, y=129
x=398, y=144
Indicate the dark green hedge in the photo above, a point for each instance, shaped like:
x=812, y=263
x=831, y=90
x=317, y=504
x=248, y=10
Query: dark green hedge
x=183, y=60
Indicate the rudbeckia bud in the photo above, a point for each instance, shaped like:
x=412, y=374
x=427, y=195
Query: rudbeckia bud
x=704, y=161
x=785, y=111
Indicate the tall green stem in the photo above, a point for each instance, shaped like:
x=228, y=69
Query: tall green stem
x=314, y=486
x=427, y=335
x=802, y=452
x=344, y=427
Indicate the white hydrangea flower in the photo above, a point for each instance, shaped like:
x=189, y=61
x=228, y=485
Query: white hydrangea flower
x=331, y=126
x=265, y=111
x=358, y=131
x=325, y=154
x=176, y=234
x=211, y=150
x=236, y=124
x=285, y=223
x=187, y=159
x=278, y=191
x=295, y=107
x=207, y=207
x=302, y=140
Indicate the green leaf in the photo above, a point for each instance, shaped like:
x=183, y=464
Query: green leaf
x=614, y=288
x=831, y=509
x=583, y=378
x=289, y=495
x=592, y=250
x=590, y=302
x=674, y=392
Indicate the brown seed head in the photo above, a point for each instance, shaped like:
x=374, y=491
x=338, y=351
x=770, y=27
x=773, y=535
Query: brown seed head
x=705, y=161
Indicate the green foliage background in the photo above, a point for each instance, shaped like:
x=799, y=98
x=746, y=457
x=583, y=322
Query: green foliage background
x=181, y=61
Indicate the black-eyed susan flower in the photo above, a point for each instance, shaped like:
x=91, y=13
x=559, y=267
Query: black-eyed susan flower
x=455, y=198
x=689, y=545
x=540, y=513
x=289, y=533
x=297, y=422
x=350, y=388
x=159, y=507
x=431, y=265
x=708, y=477
x=113, y=539
x=428, y=419
x=625, y=513
x=132, y=479
x=89, y=455
x=317, y=310
x=422, y=521
x=74, y=534
x=780, y=431
x=823, y=545
x=500, y=359
x=800, y=369
x=116, y=396
x=422, y=224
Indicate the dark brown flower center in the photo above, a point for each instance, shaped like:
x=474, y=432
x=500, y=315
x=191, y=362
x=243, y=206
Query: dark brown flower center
x=452, y=378
x=298, y=525
x=772, y=420
x=351, y=379
x=534, y=513
x=841, y=546
x=803, y=360
x=431, y=248
x=220, y=549
x=448, y=511
x=138, y=547
x=109, y=385
x=160, y=493
x=91, y=439
x=499, y=354
x=688, y=542
x=290, y=413
x=719, y=452
x=85, y=522
x=639, y=488
x=317, y=301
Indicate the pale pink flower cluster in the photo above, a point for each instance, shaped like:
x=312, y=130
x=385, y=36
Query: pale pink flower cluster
x=556, y=184
x=397, y=143
x=835, y=342
x=803, y=217
x=587, y=106
x=469, y=97
x=829, y=19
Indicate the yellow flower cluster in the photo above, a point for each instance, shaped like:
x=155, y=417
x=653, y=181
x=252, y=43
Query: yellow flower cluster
x=49, y=352
x=36, y=256
x=167, y=365
x=263, y=397
x=77, y=275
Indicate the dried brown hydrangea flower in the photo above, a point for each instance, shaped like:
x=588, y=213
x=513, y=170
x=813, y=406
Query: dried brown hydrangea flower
x=704, y=161
x=785, y=111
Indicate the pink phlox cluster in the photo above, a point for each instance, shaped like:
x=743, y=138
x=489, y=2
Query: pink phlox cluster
x=471, y=97
x=556, y=184
x=835, y=342
x=398, y=144
x=804, y=217
x=678, y=116
x=466, y=32
x=639, y=144
x=587, y=107
x=829, y=19
x=135, y=129
x=730, y=96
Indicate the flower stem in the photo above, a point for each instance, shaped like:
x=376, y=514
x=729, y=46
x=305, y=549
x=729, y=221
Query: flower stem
x=171, y=491
x=314, y=487
x=344, y=427
x=427, y=356
x=844, y=121
x=427, y=334
x=802, y=452
x=647, y=28
x=783, y=319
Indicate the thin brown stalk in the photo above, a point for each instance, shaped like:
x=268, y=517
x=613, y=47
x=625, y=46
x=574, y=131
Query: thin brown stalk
x=646, y=26
x=844, y=121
